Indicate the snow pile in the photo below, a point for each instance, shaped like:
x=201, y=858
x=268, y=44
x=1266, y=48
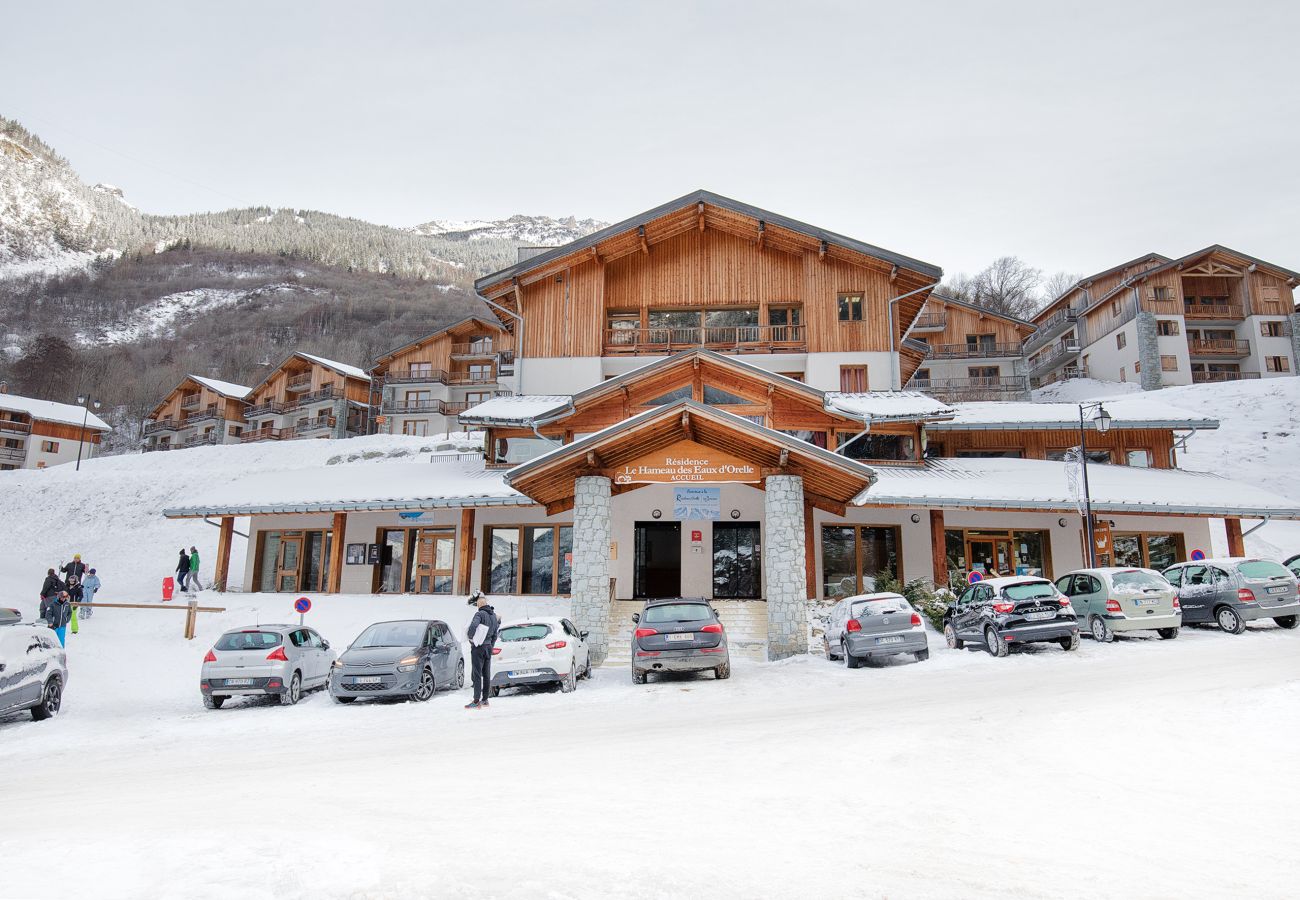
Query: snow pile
x=342, y=368
x=50, y=411
x=225, y=388
x=885, y=406
x=521, y=408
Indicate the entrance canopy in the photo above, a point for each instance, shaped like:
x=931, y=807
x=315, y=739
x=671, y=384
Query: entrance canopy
x=686, y=442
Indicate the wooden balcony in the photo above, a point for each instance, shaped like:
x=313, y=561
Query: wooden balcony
x=1220, y=377
x=930, y=322
x=312, y=427
x=13, y=454
x=270, y=408
x=203, y=440
x=203, y=415
x=1219, y=347
x=1219, y=312
x=429, y=407
x=326, y=393
x=473, y=349
x=162, y=425
x=1006, y=387
x=264, y=434
x=299, y=383
x=191, y=401
x=972, y=351
x=437, y=376
x=13, y=426
x=745, y=338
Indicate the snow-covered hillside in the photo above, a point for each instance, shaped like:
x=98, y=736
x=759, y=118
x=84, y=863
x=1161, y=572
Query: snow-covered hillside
x=528, y=230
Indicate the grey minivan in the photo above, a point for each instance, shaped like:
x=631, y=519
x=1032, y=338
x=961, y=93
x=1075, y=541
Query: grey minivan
x=1235, y=590
x=410, y=659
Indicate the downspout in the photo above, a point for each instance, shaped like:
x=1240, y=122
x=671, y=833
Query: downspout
x=866, y=429
x=519, y=344
x=893, y=351
x=1255, y=528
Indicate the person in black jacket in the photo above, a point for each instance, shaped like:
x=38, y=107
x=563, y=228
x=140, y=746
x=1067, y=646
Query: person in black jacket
x=75, y=569
x=182, y=569
x=482, y=634
x=51, y=587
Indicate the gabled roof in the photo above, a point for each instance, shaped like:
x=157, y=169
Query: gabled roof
x=480, y=320
x=1227, y=251
x=223, y=388
x=1087, y=280
x=50, y=411
x=982, y=310
x=342, y=368
x=718, y=201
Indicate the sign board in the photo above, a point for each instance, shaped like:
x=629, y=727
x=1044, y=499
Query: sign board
x=974, y=577
x=1198, y=555
x=697, y=537
x=302, y=605
x=374, y=554
x=356, y=554
x=687, y=462
x=697, y=503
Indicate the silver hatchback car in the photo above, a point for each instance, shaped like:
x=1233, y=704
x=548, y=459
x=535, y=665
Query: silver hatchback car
x=1235, y=590
x=275, y=660
x=870, y=627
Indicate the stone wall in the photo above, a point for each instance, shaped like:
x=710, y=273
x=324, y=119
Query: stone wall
x=1295, y=342
x=590, y=584
x=1149, y=351
x=784, y=569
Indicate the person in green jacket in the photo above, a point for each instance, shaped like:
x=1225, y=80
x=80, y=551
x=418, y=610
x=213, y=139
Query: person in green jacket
x=194, y=583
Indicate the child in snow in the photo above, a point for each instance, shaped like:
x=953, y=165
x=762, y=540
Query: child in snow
x=89, y=585
x=74, y=596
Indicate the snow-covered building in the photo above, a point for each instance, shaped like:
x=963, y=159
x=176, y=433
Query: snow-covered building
x=37, y=434
x=308, y=396
x=1210, y=316
x=972, y=353
x=199, y=411
x=419, y=388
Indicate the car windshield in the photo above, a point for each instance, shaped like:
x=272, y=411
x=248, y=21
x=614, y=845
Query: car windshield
x=392, y=634
x=530, y=632
x=1033, y=590
x=249, y=640
x=1137, y=581
x=878, y=606
x=676, y=612
x=1262, y=568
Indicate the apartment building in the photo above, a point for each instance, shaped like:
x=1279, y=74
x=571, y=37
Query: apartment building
x=972, y=353
x=308, y=396
x=199, y=412
x=38, y=434
x=421, y=387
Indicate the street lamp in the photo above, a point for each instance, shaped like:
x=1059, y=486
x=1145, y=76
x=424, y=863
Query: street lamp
x=1102, y=420
x=86, y=402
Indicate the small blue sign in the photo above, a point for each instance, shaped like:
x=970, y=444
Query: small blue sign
x=974, y=577
x=1198, y=555
x=302, y=605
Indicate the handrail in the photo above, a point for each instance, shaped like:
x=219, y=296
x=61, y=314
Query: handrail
x=959, y=351
x=1212, y=311
x=473, y=348
x=167, y=424
x=1215, y=377
x=704, y=336
x=15, y=425
x=1218, y=345
x=929, y=321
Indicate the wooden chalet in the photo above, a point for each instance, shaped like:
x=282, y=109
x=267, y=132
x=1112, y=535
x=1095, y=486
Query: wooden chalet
x=38, y=434
x=199, y=411
x=972, y=353
x=308, y=396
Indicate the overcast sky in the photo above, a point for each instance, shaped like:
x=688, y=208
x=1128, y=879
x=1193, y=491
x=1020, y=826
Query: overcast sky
x=1073, y=135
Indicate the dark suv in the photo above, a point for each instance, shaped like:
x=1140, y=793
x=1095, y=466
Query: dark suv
x=679, y=635
x=999, y=612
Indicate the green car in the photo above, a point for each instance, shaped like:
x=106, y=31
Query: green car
x=1109, y=601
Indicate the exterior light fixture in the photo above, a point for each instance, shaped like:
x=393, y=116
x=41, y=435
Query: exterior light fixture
x=656, y=514
x=1102, y=419
x=1061, y=521
x=916, y=517
x=735, y=514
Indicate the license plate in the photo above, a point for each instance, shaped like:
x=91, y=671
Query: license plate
x=232, y=682
x=369, y=679
x=1280, y=589
x=890, y=640
x=1037, y=616
x=680, y=637
x=524, y=673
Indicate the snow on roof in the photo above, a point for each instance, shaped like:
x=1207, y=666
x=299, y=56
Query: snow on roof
x=350, y=371
x=405, y=485
x=1034, y=484
x=49, y=411
x=225, y=388
x=888, y=405
x=520, y=409
x=1126, y=412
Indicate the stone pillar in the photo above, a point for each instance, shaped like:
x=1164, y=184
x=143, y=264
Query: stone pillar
x=590, y=584
x=1148, y=348
x=784, y=568
x=1293, y=322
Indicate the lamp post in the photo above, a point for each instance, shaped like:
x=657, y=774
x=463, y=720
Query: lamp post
x=85, y=402
x=1102, y=420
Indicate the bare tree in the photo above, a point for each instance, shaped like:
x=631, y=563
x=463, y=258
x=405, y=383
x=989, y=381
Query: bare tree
x=1007, y=285
x=1057, y=284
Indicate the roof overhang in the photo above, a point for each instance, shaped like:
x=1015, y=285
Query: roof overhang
x=274, y=509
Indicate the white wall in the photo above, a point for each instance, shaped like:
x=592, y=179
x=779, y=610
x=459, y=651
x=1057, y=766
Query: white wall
x=67, y=452
x=1175, y=345
x=558, y=375
x=823, y=371
x=1263, y=347
x=1105, y=361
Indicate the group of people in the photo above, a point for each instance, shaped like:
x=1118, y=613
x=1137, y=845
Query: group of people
x=58, y=594
x=187, y=570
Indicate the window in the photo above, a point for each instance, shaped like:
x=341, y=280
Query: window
x=1167, y=327
x=718, y=397
x=853, y=379
x=235, y=430
x=1273, y=363
x=990, y=454
x=1270, y=329
x=49, y=446
x=1094, y=456
x=1123, y=376
x=984, y=373
x=1161, y=293
x=793, y=376
x=977, y=342
x=785, y=322
x=417, y=427
x=473, y=398
x=422, y=369
x=681, y=393
x=1115, y=307
x=1140, y=459
x=1147, y=550
x=1169, y=364
x=900, y=447
x=816, y=438
x=850, y=307
x=853, y=555
x=529, y=559
x=922, y=377
x=521, y=449
x=622, y=328
x=1121, y=341
x=414, y=398
x=480, y=372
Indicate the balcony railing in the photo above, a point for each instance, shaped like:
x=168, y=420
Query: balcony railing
x=1217, y=377
x=313, y=426
x=163, y=425
x=473, y=348
x=930, y=322
x=1218, y=347
x=263, y=434
x=723, y=337
x=506, y=362
x=191, y=401
x=299, y=382
x=972, y=351
x=414, y=407
x=1005, y=387
x=15, y=427
x=326, y=393
x=1065, y=374
x=438, y=376
x=1053, y=358
x=13, y=454
x=1219, y=311
x=270, y=408
x=157, y=448
x=203, y=415
x=1051, y=327
x=200, y=440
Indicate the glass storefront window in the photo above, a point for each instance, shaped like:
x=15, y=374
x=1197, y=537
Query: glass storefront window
x=533, y=559
x=1162, y=551
x=1027, y=547
x=522, y=449
x=393, y=561
x=1128, y=550
x=503, y=567
x=539, y=559
x=270, y=554
x=853, y=555
x=879, y=446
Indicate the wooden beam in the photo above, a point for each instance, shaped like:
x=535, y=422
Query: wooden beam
x=337, y=549
x=465, y=551
x=699, y=210
x=832, y=506
x=784, y=459
x=645, y=248
x=223, y=553
x=809, y=551
x=762, y=234
x=559, y=506
x=687, y=427
x=938, y=549
x=821, y=250
x=594, y=460
x=1236, y=543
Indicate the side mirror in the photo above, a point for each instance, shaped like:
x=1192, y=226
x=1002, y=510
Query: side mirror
x=636, y=617
x=583, y=634
x=325, y=645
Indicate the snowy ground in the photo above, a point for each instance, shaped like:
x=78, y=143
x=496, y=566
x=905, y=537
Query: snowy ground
x=1143, y=768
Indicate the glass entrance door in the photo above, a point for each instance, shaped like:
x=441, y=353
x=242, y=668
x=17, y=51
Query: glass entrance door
x=658, y=562
x=736, y=565
x=991, y=556
x=288, y=563
x=435, y=555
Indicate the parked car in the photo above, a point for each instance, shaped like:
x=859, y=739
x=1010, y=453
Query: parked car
x=1114, y=600
x=999, y=612
x=540, y=650
x=1294, y=565
x=282, y=661
x=1235, y=590
x=679, y=635
x=33, y=667
x=409, y=658
x=870, y=627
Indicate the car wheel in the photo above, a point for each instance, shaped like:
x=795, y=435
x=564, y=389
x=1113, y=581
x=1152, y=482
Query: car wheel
x=460, y=675
x=950, y=637
x=338, y=699
x=723, y=672
x=994, y=644
x=1168, y=634
x=922, y=655
x=586, y=671
x=830, y=654
x=638, y=676
x=1101, y=632
x=850, y=660
x=1229, y=621
x=570, y=682
x=1070, y=643
x=1287, y=621
x=424, y=690
x=51, y=700
x=210, y=702
x=494, y=692
x=293, y=692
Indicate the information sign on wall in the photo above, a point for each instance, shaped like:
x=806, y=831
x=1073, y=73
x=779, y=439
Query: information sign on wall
x=697, y=503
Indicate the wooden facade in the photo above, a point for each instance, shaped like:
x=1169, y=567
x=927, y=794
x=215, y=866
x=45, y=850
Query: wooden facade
x=451, y=349
x=299, y=375
x=953, y=324
x=191, y=398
